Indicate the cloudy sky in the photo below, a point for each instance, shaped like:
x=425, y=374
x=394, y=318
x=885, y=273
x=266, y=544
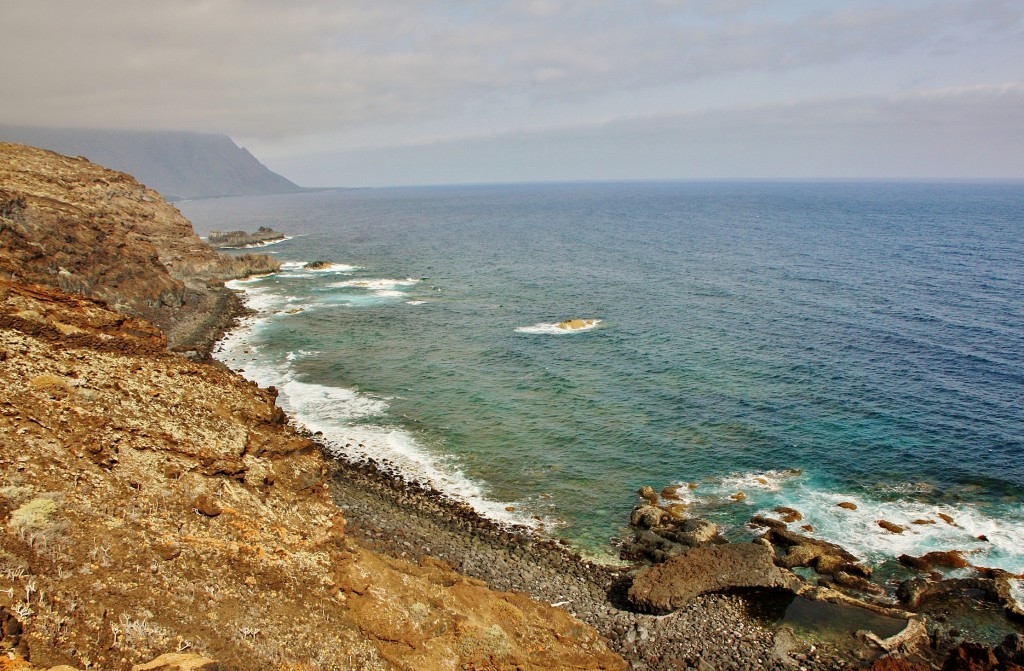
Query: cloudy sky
x=383, y=92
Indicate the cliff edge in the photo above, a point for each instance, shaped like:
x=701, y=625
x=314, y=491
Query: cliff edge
x=152, y=505
x=178, y=164
x=81, y=228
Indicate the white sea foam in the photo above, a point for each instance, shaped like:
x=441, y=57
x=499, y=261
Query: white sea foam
x=858, y=530
x=559, y=328
x=415, y=302
x=1017, y=593
x=374, y=285
x=266, y=243
x=299, y=269
x=352, y=423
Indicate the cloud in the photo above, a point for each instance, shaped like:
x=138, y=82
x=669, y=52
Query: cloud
x=973, y=133
x=262, y=69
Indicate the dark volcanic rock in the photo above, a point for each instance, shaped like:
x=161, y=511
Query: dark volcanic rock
x=713, y=568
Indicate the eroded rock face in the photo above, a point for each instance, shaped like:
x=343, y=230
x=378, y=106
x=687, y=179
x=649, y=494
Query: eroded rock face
x=70, y=224
x=668, y=586
x=114, y=456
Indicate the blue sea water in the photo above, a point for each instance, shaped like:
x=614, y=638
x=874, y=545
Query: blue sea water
x=801, y=344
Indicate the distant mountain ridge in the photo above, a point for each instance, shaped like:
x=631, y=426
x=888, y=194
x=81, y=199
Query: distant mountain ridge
x=180, y=165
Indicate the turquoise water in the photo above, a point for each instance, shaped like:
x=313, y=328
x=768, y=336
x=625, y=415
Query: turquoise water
x=803, y=344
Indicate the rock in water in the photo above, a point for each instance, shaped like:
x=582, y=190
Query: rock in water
x=891, y=527
x=702, y=570
x=573, y=324
x=647, y=492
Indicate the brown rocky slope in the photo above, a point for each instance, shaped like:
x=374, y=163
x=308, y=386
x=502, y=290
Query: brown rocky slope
x=71, y=224
x=153, y=505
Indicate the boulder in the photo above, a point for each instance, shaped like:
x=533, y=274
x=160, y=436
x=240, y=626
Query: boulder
x=178, y=662
x=647, y=492
x=696, y=531
x=710, y=568
x=802, y=550
x=891, y=527
x=789, y=514
x=951, y=559
x=830, y=564
x=770, y=523
x=207, y=505
x=671, y=492
x=646, y=517
x=847, y=505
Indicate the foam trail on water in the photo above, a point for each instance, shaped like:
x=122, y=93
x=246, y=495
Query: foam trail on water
x=352, y=424
x=560, y=328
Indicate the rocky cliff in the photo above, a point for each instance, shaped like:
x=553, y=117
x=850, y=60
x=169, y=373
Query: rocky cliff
x=179, y=165
x=73, y=225
x=153, y=505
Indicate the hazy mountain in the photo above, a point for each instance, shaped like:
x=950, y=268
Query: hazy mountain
x=180, y=165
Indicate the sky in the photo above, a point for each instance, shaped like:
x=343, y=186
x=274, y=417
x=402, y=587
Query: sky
x=396, y=92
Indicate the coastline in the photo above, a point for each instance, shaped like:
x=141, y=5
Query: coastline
x=405, y=519
x=396, y=516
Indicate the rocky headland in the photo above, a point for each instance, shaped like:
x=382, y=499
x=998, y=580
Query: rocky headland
x=240, y=239
x=159, y=512
x=81, y=228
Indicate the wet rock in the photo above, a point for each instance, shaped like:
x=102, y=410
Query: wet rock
x=789, y=514
x=646, y=517
x=952, y=559
x=647, y=492
x=711, y=568
x=847, y=505
x=915, y=593
x=850, y=581
x=696, y=531
x=770, y=523
x=802, y=550
x=830, y=564
x=672, y=492
x=947, y=519
x=973, y=657
x=890, y=526
x=1012, y=649
x=907, y=642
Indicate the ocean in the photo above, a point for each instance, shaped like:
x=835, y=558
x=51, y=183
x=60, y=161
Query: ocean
x=765, y=344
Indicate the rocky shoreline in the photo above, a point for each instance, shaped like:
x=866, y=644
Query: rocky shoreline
x=734, y=626
x=403, y=519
